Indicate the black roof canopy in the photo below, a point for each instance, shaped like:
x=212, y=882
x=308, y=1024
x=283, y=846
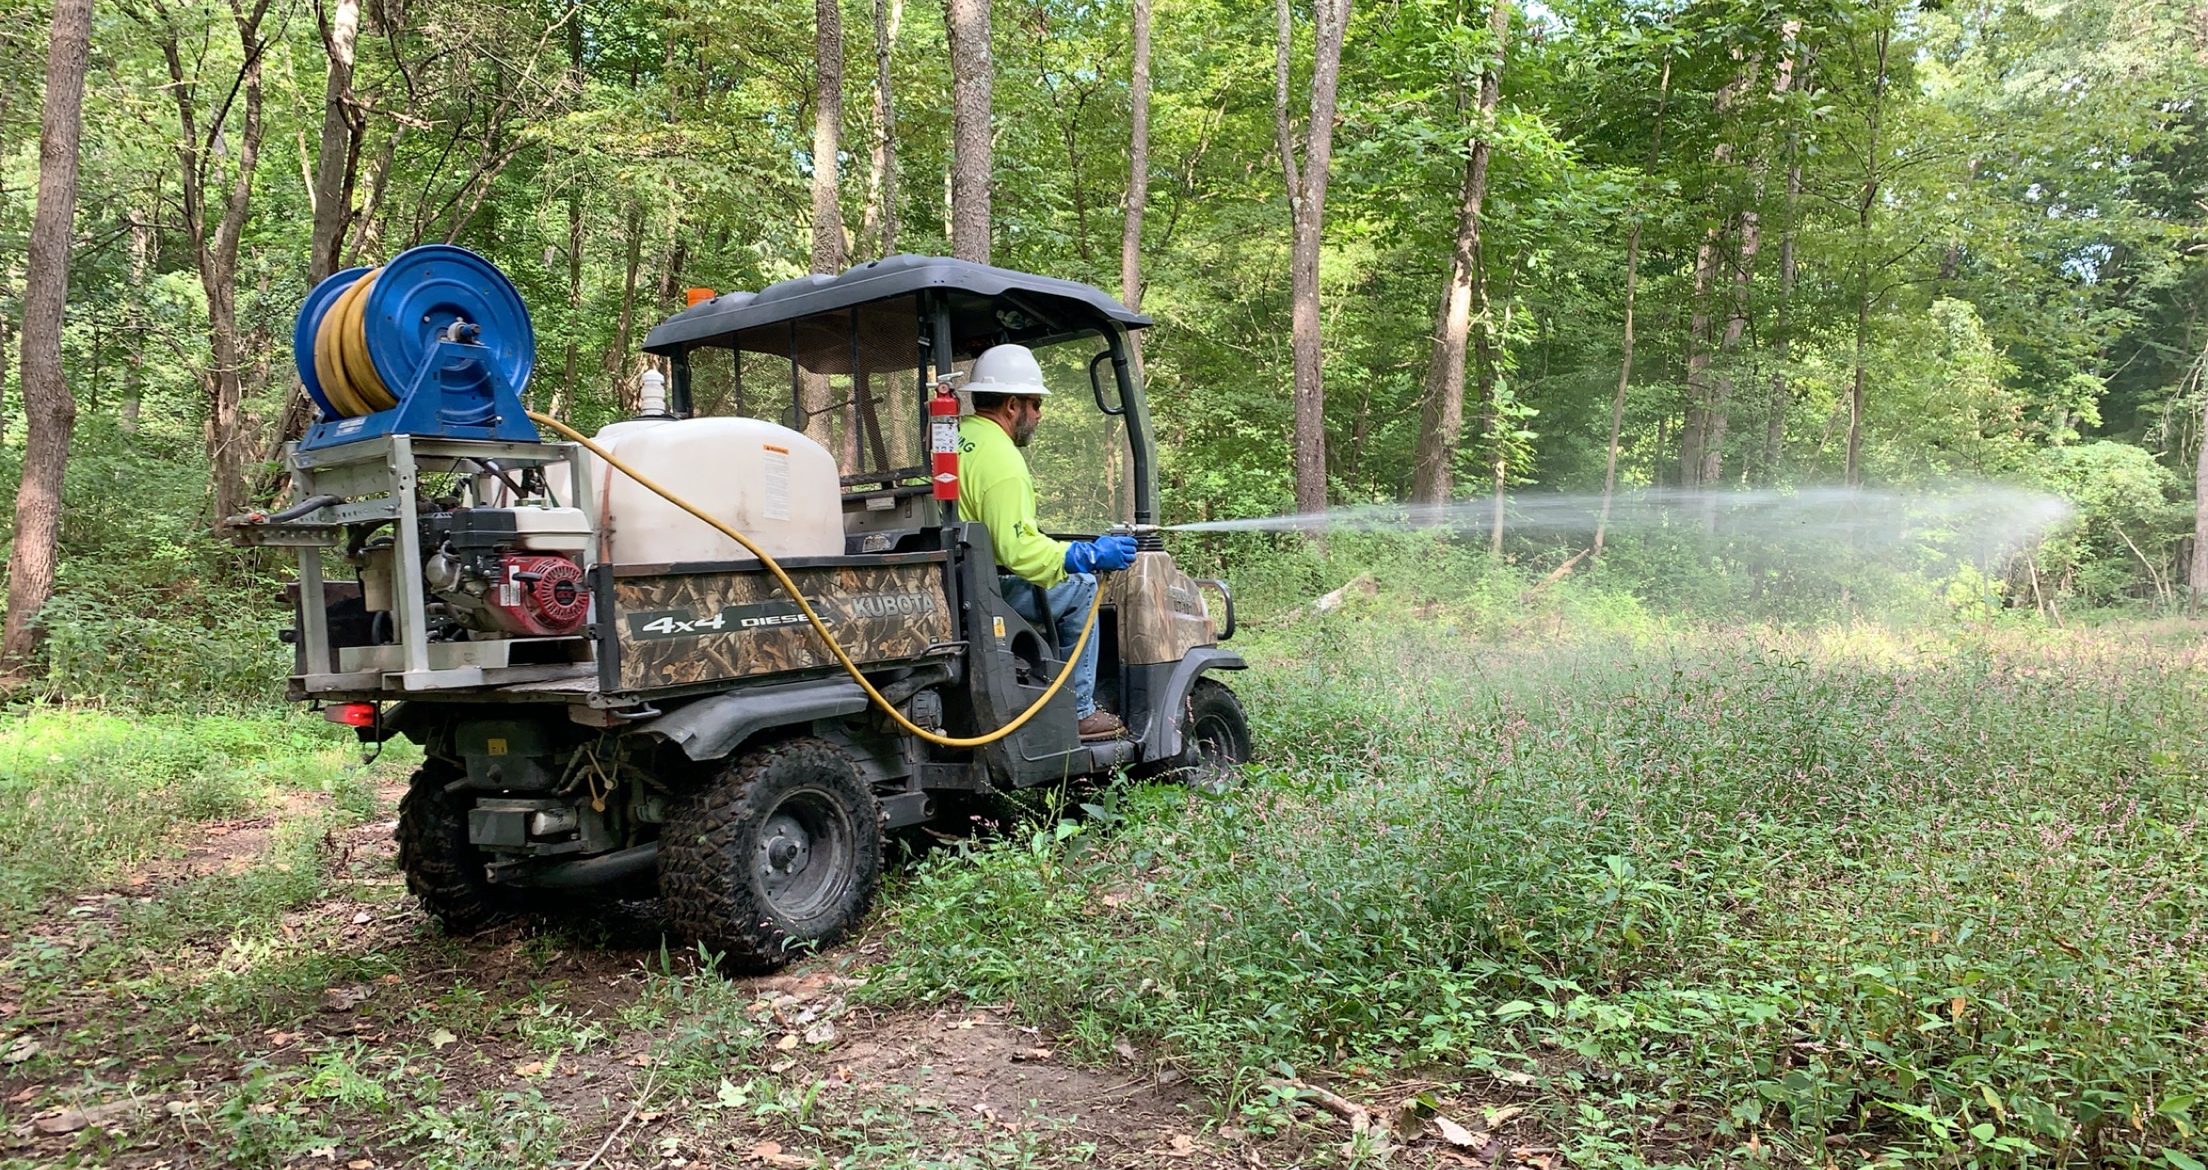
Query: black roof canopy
x=987, y=304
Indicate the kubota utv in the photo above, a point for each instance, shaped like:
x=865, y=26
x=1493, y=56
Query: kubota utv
x=614, y=697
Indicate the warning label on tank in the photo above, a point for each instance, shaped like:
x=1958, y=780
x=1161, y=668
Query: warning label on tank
x=777, y=473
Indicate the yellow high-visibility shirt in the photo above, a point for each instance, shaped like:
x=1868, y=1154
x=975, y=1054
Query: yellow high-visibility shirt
x=995, y=488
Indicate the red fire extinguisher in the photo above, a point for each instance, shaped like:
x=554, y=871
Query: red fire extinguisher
x=943, y=425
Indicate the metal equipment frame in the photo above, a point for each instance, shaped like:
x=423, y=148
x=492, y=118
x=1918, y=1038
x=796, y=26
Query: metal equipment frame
x=379, y=479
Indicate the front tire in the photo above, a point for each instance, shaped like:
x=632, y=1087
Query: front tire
x=443, y=870
x=1215, y=738
x=779, y=854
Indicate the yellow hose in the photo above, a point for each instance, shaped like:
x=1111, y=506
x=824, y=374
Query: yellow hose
x=352, y=344
x=341, y=359
x=332, y=375
x=805, y=607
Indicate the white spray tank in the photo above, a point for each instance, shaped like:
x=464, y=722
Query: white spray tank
x=765, y=480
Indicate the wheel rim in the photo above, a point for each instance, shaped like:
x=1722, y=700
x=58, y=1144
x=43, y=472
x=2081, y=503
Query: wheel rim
x=1215, y=751
x=807, y=849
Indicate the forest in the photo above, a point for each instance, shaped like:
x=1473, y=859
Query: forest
x=1734, y=694
x=1513, y=250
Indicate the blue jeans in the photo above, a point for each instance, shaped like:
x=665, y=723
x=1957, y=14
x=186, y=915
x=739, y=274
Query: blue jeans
x=1069, y=607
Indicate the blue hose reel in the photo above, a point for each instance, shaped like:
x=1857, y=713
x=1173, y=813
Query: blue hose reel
x=435, y=343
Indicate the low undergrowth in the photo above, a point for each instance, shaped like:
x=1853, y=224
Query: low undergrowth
x=87, y=794
x=1840, y=899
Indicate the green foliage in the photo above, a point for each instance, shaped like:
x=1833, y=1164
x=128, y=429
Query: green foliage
x=2132, y=515
x=2027, y=272
x=89, y=794
x=1922, y=900
x=151, y=609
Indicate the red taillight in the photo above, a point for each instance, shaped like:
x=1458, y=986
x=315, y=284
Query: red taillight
x=351, y=714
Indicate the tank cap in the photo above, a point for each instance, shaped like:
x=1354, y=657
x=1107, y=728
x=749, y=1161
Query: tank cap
x=651, y=395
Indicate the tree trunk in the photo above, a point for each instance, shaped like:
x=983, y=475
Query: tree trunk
x=1483, y=354
x=879, y=226
x=134, y=320
x=49, y=412
x=215, y=244
x=1747, y=236
x=1442, y=420
x=336, y=168
x=827, y=134
x=1625, y=357
x=827, y=257
x=568, y=389
x=7, y=269
x=1483, y=344
x=1138, y=157
x=1697, y=417
x=967, y=24
x=7, y=281
x=1728, y=242
x=1070, y=133
x=617, y=359
x=669, y=294
x=368, y=224
x=338, y=162
x=2198, y=577
x=226, y=391
x=1865, y=202
x=1774, y=424
x=1307, y=206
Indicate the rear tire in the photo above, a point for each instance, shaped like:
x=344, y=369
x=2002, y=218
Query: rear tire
x=442, y=869
x=1215, y=738
x=779, y=854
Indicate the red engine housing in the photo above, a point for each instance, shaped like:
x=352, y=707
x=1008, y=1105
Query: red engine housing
x=538, y=595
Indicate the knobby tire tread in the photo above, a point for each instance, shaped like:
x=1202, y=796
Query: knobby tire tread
x=705, y=867
x=442, y=870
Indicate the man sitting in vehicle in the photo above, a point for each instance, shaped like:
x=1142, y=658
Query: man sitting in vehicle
x=994, y=487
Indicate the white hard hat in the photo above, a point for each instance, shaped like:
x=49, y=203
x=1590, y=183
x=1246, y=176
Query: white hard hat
x=1008, y=369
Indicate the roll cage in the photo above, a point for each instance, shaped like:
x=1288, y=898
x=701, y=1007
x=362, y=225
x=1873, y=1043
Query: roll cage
x=881, y=335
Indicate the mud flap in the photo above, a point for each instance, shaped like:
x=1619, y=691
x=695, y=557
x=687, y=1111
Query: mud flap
x=711, y=728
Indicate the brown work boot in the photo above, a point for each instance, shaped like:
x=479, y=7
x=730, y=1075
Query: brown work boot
x=1101, y=724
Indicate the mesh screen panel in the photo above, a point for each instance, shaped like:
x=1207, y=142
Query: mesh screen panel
x=1078, y=454
x=852, y=380
x=849, y=380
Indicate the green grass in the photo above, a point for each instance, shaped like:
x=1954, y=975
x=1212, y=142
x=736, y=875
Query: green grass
x=1836, y=895
x=1858, y=897
x=85, y=795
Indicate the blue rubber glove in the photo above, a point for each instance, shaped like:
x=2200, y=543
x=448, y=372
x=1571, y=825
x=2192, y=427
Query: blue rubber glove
x=1107, y=553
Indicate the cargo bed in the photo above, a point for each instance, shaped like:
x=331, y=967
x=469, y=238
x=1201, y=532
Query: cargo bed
x=665, y=631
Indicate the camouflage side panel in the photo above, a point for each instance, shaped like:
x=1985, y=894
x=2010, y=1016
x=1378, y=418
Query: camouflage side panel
x=686, y=627
x=1162, y=614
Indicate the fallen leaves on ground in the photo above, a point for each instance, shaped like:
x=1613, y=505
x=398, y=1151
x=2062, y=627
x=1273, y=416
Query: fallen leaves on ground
x=72, y=1120
x=771, y=1154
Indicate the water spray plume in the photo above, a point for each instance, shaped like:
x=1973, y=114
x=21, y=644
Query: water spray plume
x=1971, y=519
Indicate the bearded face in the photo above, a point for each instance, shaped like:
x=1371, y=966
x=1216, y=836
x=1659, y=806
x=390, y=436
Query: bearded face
x=1027, y=414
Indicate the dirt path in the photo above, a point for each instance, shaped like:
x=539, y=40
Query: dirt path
x=341, y=1030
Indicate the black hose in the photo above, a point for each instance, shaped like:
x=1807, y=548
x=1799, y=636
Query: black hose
x=491, y=465
x=310, y=504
